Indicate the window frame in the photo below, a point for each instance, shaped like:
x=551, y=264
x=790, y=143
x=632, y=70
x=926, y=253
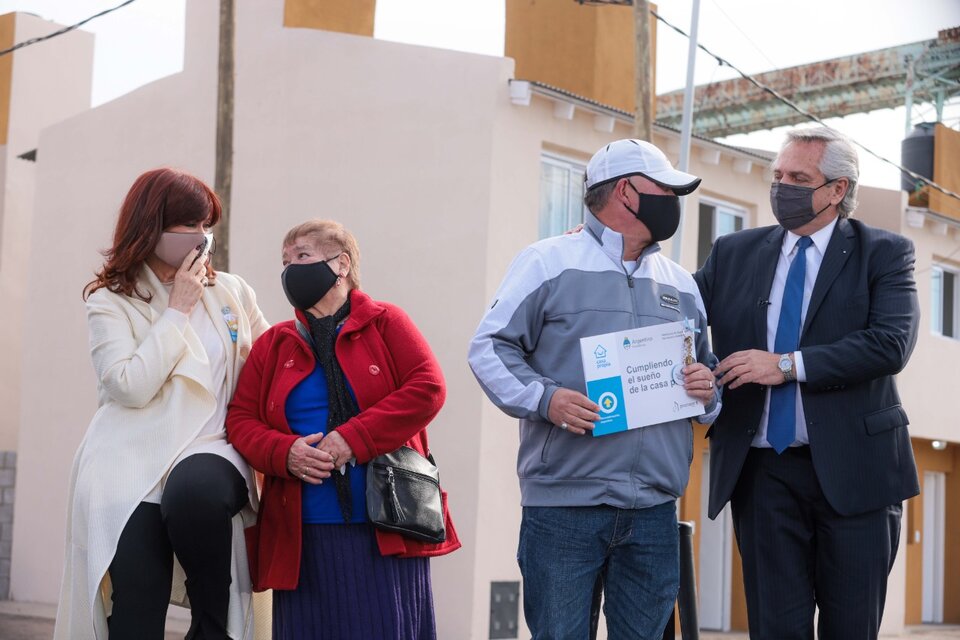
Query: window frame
x=937, y=313
x=570, y=165
x=719, y=206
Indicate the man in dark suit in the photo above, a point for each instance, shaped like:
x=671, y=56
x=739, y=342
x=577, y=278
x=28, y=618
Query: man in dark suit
x=811, y=447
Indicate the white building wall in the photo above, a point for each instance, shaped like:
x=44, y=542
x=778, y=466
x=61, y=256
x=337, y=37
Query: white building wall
x=50, y=82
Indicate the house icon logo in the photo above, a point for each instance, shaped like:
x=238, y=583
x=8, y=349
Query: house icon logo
x=600, y=352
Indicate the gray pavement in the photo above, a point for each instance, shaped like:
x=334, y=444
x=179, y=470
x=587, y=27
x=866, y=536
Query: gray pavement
x=26, y=621
x=19, y=621
x=923, y=632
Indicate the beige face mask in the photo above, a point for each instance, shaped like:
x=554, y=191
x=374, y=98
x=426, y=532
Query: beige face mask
x=173, y=248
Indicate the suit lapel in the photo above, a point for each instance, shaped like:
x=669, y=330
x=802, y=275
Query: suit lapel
x=765, y=269
x=839, y=248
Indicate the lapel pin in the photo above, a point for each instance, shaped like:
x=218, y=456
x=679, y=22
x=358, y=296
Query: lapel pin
x=232, y=322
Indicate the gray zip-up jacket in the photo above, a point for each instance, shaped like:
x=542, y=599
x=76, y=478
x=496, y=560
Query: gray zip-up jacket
x=555, y=292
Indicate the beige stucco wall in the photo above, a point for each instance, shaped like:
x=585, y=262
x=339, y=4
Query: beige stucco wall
x=881, y=207
x=933, y=373
x=47, y=84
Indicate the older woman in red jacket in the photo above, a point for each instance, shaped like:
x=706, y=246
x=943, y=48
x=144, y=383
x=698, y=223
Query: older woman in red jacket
x=350, y=379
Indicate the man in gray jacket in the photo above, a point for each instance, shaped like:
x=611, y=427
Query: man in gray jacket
x=596, y=510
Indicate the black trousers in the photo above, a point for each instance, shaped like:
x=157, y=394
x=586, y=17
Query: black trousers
x=799, y=554
x=193, y=521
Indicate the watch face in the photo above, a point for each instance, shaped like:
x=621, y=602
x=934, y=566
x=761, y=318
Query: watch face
x=785, y=364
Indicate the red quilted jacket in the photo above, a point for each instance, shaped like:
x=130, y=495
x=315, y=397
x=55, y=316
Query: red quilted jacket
x=399, y=388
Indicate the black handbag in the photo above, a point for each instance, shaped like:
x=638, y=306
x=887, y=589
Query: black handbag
x=403, y=495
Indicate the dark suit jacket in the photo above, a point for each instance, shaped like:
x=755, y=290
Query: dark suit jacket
x=860, y=329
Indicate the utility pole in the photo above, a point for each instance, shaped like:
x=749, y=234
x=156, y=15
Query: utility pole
x=643, y=120
x=686, y=126
x=223, y=172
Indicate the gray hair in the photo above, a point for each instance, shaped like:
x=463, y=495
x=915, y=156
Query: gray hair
x=839, y=160
x=596, y=198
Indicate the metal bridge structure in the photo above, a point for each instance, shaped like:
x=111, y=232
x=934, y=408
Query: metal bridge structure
x=927, y=71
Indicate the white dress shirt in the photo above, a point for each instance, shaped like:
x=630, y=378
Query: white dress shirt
x=814, y=256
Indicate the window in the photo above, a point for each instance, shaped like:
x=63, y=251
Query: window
x=716, y=219
x=561, y=195
x=943, y=301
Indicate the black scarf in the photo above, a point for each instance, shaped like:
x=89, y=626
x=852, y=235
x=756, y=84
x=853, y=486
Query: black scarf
x=342, y=406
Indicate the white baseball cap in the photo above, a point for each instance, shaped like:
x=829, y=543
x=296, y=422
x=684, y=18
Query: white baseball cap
x=637, y=157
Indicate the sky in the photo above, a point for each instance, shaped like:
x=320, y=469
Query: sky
x=144, y=41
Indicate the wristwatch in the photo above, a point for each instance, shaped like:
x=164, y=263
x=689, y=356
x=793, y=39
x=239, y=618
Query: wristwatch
x=786, y=368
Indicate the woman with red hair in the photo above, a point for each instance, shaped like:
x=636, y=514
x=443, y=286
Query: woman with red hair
x=159, y=498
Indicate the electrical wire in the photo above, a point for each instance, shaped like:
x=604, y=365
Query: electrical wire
x=27, y=43
x=744, y=34
x=806, y=114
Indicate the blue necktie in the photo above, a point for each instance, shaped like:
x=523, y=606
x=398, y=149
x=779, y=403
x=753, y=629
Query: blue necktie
x=782, y=420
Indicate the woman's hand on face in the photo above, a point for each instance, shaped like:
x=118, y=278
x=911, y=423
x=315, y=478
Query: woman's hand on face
x=336, y=446
x=188, y=283
x=307, y=462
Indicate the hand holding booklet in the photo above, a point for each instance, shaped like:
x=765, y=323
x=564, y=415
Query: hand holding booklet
x=636, y=376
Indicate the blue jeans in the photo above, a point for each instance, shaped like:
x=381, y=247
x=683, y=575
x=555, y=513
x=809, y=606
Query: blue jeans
x=566, y=551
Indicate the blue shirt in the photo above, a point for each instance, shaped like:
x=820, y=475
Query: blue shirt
x=307, y=409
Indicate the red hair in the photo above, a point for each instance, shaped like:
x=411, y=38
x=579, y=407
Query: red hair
x=159, y=199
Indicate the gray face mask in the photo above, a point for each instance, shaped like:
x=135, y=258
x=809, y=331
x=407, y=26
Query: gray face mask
x=793, y=205
x=173, y=248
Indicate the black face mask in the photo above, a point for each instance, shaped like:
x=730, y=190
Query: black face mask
x=306, y=284
x=793, y=205
x=660, y=214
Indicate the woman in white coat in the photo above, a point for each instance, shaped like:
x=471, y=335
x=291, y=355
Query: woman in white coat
x=158, y=496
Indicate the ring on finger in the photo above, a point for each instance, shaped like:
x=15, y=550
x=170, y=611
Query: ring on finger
x=564, y=426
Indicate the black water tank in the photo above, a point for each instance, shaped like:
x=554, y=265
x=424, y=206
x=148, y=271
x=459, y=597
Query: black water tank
x=916, y=154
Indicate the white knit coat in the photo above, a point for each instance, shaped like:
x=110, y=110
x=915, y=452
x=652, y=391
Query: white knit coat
x=155, y=394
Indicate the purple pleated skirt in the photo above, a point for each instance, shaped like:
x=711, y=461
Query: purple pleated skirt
x=348, y=591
